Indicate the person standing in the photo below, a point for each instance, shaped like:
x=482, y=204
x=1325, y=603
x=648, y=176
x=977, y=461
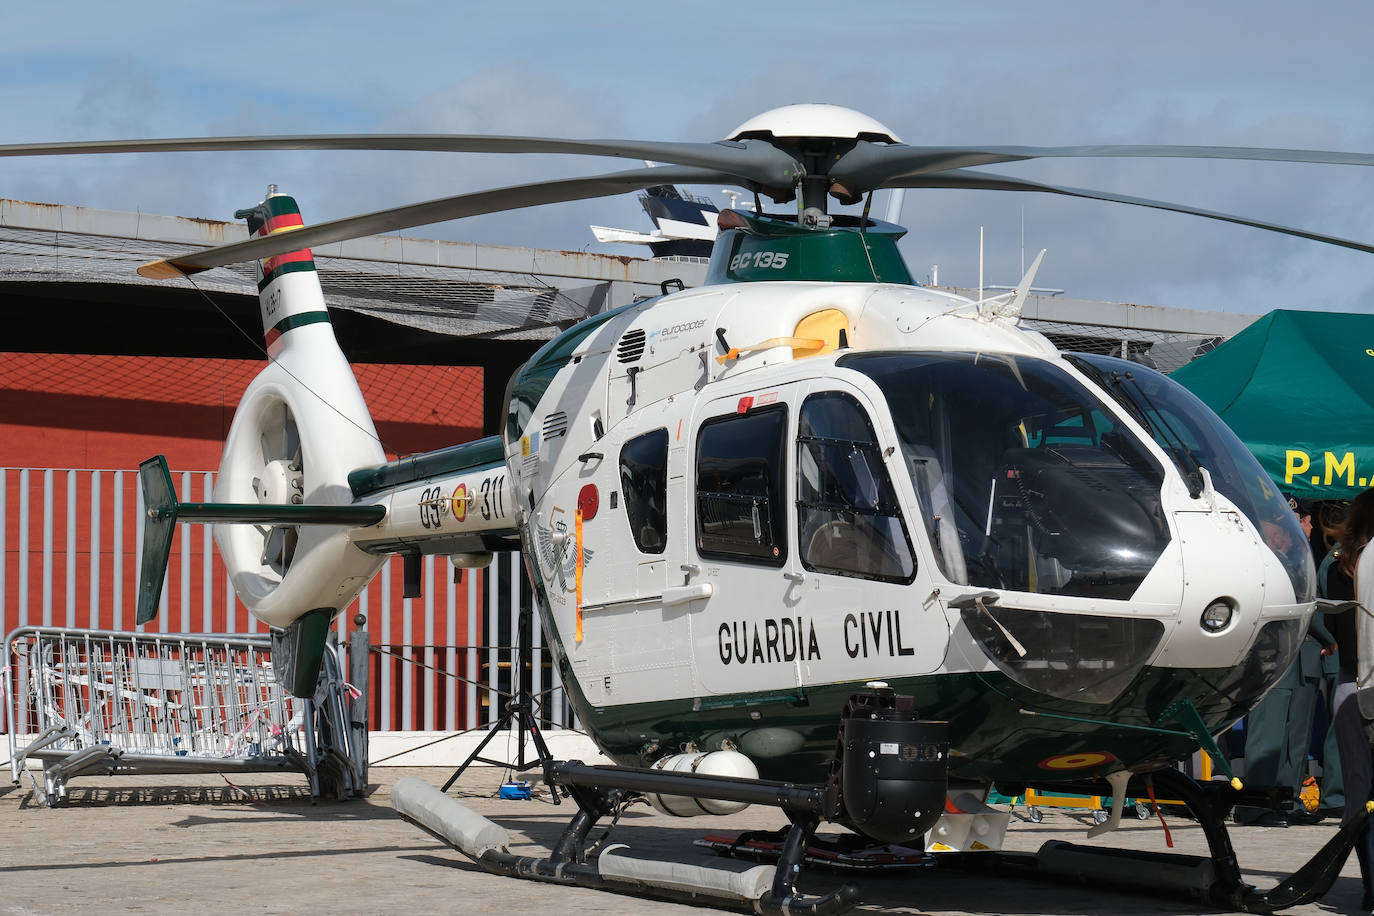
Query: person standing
x=1335, y=585
x=1354, y=702
x=1278, y=732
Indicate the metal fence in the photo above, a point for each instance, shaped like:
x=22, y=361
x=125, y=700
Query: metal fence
x=70, y=543
x=100, y=702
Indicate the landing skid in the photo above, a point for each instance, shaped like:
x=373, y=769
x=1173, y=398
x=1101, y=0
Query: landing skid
x=600, y=792
x=772, y=888
x=1214, y=879
x=1209, y=802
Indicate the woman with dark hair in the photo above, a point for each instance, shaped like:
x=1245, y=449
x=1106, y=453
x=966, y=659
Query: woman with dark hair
x=1354, y=700
x=1357, y=530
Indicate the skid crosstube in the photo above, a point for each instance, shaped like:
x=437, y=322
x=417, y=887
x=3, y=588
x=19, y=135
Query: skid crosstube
x=600, y=791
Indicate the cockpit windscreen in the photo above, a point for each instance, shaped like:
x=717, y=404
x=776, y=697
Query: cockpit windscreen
x=1026, y=482
x=1196, y=438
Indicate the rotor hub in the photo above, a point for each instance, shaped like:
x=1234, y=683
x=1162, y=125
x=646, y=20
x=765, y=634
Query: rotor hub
x=814, y=120
x=279, y=483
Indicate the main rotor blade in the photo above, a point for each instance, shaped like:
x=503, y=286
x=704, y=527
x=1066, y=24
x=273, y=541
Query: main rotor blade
x=433, y=211
x=750, y=160
x=870, y=165
x=985, y=181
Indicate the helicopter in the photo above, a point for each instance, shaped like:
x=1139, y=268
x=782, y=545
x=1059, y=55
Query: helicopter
x=809, y=535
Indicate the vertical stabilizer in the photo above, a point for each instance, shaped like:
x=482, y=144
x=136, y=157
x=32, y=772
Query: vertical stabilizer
x=300, y=428
x=287, y=301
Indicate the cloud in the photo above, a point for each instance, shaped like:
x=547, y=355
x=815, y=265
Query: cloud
x=989, y=71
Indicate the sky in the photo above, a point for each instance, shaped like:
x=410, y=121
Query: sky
x=1256, y=73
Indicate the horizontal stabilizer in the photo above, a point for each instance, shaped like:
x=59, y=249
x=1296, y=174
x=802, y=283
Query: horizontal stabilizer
x=160, y=502
x=163, y=511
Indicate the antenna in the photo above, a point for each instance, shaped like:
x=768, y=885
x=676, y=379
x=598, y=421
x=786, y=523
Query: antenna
x=895, y=198
x=1023, y=288
x=980, y=263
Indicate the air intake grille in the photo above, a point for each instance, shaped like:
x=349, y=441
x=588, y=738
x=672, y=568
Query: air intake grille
x=631, y=346
x=555, y=425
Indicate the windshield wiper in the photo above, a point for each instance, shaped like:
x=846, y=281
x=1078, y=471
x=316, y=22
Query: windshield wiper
x=1163, y=432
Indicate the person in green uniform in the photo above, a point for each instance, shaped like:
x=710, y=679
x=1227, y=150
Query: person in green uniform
x=1278, y=732
x=1334, y=584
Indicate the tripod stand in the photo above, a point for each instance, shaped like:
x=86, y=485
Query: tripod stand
x=519, y=709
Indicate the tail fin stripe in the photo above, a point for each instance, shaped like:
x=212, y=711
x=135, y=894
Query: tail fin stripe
x=275, y=205
x=290, y=263
x=284, y=222
x=295, y=321
x=271, y=264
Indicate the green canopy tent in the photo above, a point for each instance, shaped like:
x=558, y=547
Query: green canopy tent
x=1298, y=389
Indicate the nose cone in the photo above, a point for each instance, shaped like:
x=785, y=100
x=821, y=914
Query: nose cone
x=1221, y=559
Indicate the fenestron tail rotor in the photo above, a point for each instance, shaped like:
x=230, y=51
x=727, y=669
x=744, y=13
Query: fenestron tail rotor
x=281, y=441
x=164, y=511
x=281, y=480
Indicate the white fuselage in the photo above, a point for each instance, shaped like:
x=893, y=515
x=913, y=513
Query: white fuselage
x=669, y=622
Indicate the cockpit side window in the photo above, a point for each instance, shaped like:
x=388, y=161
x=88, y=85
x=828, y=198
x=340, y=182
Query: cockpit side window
x=848, y=520
x=741, y=487
x=644, y=481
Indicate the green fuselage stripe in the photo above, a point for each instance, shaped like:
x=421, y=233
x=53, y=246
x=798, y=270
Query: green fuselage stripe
x=991, y=736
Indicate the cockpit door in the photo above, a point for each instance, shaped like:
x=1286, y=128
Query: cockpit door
x=854, y=572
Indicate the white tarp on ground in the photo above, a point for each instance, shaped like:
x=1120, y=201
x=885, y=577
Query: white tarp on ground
x=448, y=749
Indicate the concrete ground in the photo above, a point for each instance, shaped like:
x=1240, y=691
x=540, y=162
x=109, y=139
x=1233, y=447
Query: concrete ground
x=198, y=845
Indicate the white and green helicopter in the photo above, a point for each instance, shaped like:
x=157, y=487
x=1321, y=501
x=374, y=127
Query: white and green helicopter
x=810, y=535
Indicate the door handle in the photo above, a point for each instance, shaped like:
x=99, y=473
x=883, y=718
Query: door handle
x=681, y=594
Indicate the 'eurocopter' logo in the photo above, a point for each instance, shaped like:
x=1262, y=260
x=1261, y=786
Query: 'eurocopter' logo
x=669, y=333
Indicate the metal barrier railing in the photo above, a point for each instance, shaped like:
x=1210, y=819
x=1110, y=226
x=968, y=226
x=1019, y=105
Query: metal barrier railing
x=70, y=539
x=104, y=702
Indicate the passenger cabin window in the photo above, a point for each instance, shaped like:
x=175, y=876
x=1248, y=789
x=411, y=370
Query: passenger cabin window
x=740, y=487
x=644, y=481
x=848, y=521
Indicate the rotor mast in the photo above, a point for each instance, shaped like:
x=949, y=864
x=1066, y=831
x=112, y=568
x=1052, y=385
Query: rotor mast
x=816, y=136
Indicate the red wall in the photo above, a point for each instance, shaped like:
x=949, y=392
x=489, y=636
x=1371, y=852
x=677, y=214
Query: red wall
x=108, y=413
x=72, y=411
